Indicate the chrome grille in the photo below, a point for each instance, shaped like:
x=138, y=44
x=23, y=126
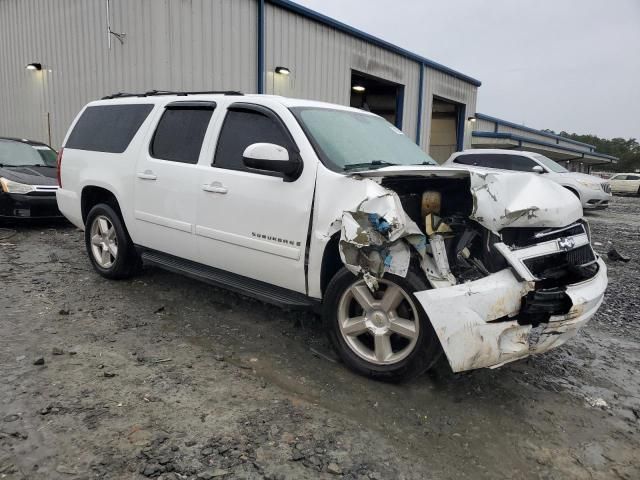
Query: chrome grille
x=526, y=237
x=606, y=187
x=580, y=256
x=557, y=264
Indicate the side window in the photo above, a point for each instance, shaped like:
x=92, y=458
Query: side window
x=520, y=163
x=618, y=177
x=498, y=161
x=180, y=133
x=633, y=177
x=466, y=160
x=241, y=128
x=108, y=128
x=487, y=160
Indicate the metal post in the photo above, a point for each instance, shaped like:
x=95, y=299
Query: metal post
x=420, y=100
x=261, y=72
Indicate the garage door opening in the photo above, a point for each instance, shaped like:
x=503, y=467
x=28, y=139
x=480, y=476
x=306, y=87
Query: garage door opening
x=447, y=129
x=378, y=96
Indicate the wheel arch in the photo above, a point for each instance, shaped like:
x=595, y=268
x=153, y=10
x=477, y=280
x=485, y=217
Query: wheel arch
x=573, y=190
x=331, y=262
x=92, y=195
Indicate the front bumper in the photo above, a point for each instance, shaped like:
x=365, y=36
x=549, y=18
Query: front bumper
x=477, y=322
x=594, y=199
x=32, y=205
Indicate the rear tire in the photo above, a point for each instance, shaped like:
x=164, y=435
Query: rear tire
x=108, y=244
x=392, y=344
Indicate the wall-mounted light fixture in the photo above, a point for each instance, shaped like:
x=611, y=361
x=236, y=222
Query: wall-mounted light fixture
x=358, y=88
x=472, y=119
x=34, y=66
x=283, y=70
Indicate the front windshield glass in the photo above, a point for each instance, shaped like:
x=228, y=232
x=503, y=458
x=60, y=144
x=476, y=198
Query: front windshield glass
x=17, y=154
x=348, y=141
x=48, y=155
x=550, y=164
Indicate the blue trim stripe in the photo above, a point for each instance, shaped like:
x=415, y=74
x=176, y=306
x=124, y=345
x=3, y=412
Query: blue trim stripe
x=343, y=27
x=461, y=109
x=400, y=106
x=420, y=101
x=520, y=139
x=506, y=123
x=261, y=69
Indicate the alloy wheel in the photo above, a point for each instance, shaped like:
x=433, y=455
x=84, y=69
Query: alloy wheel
x=380, y=327
x=104, y=242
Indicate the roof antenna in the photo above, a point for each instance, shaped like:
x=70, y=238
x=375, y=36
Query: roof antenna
x=119, y=36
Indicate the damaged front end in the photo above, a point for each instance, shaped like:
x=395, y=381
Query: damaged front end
x=507, y=256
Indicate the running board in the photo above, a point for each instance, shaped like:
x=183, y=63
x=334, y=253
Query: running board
x=237, y=283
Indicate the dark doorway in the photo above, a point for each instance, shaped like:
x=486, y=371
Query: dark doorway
x=378, y=96
x=447, y=129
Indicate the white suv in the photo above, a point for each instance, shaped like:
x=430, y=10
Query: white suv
x=323, y=207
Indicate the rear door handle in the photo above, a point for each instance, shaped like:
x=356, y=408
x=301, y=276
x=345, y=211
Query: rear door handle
x=215, y=187
x=147, y=175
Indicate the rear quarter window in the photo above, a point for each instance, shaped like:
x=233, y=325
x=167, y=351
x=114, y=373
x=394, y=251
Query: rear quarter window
x=108, y=128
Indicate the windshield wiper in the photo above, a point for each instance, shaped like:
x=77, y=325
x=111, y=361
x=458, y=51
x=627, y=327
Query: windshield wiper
x=28, y=165
x=372, y=164
x=425, y=163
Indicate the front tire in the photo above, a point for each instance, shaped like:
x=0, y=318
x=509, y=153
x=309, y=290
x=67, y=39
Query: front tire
x=108, y=244
x=384, y=335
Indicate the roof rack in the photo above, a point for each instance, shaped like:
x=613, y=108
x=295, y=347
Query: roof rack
x=152, y=93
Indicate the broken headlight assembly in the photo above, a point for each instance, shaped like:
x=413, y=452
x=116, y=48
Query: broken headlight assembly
x=10, y=186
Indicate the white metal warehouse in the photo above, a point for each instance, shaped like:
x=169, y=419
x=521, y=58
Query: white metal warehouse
x=80, y=50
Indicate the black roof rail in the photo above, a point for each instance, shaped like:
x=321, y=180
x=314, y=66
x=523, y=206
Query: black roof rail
x=151, y=93
x=119, y=95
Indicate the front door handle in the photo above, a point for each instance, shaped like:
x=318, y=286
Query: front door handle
x=215, y=187
x=147, y=175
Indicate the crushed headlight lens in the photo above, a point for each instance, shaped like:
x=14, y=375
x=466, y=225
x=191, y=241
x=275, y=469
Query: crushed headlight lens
x=15, y=187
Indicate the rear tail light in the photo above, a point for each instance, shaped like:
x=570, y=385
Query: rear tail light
x=59, y=164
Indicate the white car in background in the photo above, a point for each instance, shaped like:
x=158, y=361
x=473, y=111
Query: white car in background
x=593, y=192
x=625, y=183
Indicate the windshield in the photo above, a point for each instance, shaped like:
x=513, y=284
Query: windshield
x=347, y=141
x=48, y=155
x=550, y=164
x=17, y=154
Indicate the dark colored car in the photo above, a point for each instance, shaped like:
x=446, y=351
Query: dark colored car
x=28, y=181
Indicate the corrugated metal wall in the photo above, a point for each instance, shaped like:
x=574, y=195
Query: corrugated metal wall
x=169, y=44
x=321, y=59
x=447, y=87
x=482, y=125
x=186, y=45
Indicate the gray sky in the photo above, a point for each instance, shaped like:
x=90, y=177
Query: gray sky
x=569, y=65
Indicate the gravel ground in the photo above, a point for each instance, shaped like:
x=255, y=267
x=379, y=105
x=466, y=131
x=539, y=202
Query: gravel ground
x=164, y=377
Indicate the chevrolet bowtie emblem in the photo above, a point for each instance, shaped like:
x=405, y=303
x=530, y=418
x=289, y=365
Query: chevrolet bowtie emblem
x=566, y=243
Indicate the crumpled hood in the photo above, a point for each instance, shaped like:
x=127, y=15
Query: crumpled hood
x=503, y=199
x=30, y=175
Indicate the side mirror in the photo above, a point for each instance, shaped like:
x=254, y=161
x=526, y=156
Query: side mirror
x=268, y=157
x=537, y=169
